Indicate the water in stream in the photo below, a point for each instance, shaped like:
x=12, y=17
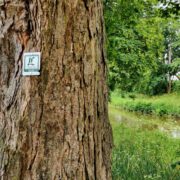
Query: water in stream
x=168, y=125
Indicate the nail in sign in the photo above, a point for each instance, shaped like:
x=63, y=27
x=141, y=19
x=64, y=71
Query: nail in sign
x=31, y=64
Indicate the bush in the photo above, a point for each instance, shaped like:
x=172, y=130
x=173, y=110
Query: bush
x=161, y=110
x=157, y=85
x=176, y=86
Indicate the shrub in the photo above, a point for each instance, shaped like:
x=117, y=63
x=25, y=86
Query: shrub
x=176, y=86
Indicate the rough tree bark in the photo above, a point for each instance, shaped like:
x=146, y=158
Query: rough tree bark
x=54, y=126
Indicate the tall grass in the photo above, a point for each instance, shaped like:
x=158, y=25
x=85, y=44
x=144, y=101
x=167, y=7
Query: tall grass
x=140, y=154
x=168, y=105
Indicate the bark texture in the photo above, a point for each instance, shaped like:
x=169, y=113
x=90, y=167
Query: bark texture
x=54, y=126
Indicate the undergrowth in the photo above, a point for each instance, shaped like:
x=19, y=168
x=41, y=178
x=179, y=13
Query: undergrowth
x=140, y=155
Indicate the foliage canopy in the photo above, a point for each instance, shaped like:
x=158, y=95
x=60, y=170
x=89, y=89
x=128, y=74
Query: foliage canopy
x=138, y=40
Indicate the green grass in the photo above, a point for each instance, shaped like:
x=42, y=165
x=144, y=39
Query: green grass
x=140, y=154
x=165, y=105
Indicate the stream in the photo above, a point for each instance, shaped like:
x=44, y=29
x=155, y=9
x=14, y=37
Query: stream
x=168, y=125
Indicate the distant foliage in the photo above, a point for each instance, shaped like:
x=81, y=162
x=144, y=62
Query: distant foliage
x=138, y=41
x=176, y=86
x=170, y=7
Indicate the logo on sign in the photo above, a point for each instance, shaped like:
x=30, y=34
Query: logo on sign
x=31, y=64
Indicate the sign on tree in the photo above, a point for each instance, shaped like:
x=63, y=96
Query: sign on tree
x=31, y=63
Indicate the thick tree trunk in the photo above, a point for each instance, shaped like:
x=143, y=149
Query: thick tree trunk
x=54, y=126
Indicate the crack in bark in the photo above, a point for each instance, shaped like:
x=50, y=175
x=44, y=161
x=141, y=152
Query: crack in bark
x=86, y=4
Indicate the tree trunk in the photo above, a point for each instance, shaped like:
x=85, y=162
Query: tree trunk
x=169, y=87
x=54, y=126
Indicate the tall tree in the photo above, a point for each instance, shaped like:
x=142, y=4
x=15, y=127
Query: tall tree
x=54, y=126
x=172, y=50
x=137, y=33
x=134, y=42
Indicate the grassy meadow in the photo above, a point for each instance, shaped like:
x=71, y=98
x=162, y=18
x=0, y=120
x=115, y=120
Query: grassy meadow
x=140, y=154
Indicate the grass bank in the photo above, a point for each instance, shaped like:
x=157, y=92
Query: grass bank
x=164, y=105
x=141, y=155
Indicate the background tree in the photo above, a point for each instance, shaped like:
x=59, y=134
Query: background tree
x=132, y=29
x=136, y=45
x=172, y=50
x=54, y=126
x=169, y=7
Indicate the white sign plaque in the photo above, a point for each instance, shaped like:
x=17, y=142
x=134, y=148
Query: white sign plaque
x=31, y=64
